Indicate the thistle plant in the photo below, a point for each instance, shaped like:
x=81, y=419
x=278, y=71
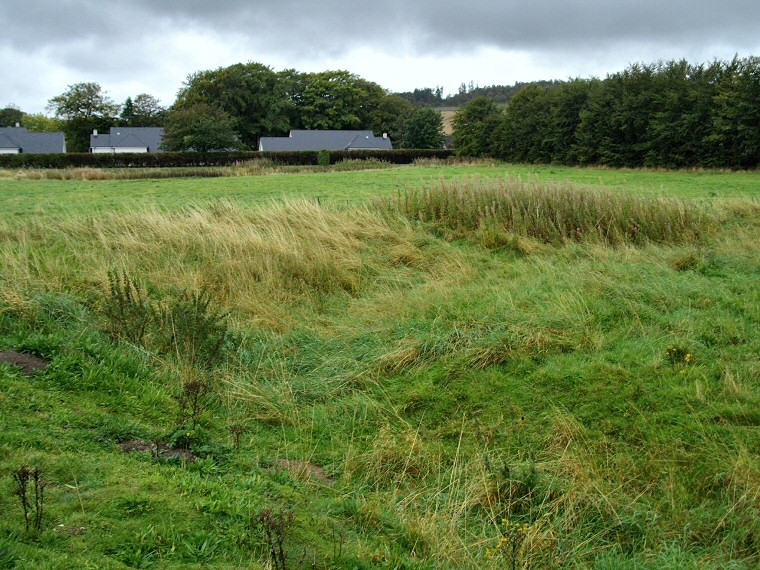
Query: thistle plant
x=30, y=489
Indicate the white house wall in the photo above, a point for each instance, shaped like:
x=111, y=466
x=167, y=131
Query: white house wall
x=119, y=150
x=133, y=149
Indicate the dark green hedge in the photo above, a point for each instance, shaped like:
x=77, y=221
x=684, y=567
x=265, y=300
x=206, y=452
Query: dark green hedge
x=187, y=159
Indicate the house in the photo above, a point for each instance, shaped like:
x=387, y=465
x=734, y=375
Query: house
x=15, y=140
x=127, y=139
x=326, y=140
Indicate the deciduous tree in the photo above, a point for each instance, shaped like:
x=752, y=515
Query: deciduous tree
x=144, y=111
x=337, y=100
x=37, y=122
x=473, y=126
x=83, y=107
x=251, y=94
x=201, y=128
x=388, y=116
x=422, y=128
x=10, y=115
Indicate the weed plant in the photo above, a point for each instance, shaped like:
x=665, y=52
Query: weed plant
x=193, y=328
x=30, y=489
x=275, y=527
x=127, y=310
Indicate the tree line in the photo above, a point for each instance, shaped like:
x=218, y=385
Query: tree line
x=668, y=114
x=232, y=107
x=500, y=94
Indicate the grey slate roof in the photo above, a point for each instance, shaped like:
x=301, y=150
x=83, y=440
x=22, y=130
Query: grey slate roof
x=35, y=143
x=119, y=137
x=326, y=140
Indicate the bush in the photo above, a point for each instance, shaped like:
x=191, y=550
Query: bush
x=323, y=158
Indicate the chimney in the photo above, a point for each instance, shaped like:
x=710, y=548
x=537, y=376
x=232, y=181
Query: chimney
x=18, y=125
x=94, y=132
x=385, y=135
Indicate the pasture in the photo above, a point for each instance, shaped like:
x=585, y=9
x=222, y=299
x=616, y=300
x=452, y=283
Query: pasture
x=393, y=368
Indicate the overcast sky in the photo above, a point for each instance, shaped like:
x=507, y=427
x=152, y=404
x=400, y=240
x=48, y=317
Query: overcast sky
x=150, y=46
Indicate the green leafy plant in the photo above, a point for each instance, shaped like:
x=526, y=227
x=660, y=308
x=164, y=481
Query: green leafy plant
x=186, y=437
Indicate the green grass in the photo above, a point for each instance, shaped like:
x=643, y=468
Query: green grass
x=422, y=380
x=53, y=197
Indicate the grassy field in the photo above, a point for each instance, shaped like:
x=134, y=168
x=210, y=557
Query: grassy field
x=484, y=366
x=51, y=197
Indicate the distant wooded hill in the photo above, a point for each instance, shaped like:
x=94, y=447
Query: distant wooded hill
x=500, y=94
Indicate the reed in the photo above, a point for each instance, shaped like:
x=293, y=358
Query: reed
x=553, y=212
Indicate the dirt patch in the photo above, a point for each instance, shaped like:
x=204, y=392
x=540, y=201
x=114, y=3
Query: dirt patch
x=303, y=467
x=157, y=449
x=29, y=364
x=71, y=530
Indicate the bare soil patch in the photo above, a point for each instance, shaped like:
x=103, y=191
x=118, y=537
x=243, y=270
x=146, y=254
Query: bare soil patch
x=303, y=467
x=157, y=449
x=28, y=363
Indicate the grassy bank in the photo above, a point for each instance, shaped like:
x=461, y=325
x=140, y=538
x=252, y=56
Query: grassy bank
x=437, y=385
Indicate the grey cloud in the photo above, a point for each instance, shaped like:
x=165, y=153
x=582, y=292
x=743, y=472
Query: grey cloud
x=295, y=25
x=439, y=25
x=113, y=39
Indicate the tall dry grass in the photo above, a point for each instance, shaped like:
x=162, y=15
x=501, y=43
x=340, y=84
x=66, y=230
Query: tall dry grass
x=255, y=167
x=260, y=261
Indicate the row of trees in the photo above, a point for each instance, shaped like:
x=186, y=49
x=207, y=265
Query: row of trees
x=670, y=114
x=253, y=101
x=233, y=107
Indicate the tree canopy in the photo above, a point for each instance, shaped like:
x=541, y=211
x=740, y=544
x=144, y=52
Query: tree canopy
x=10, y=115
x=422, y=128
x=83, y=107
x=251, y=94
x=37, y=122
x=262, y=102
x=142, y=111
x=200, y=127
x=669, y=114
x=83, y=100
x=473, y=124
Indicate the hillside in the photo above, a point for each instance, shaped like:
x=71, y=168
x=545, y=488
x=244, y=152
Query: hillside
x=426, y=367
